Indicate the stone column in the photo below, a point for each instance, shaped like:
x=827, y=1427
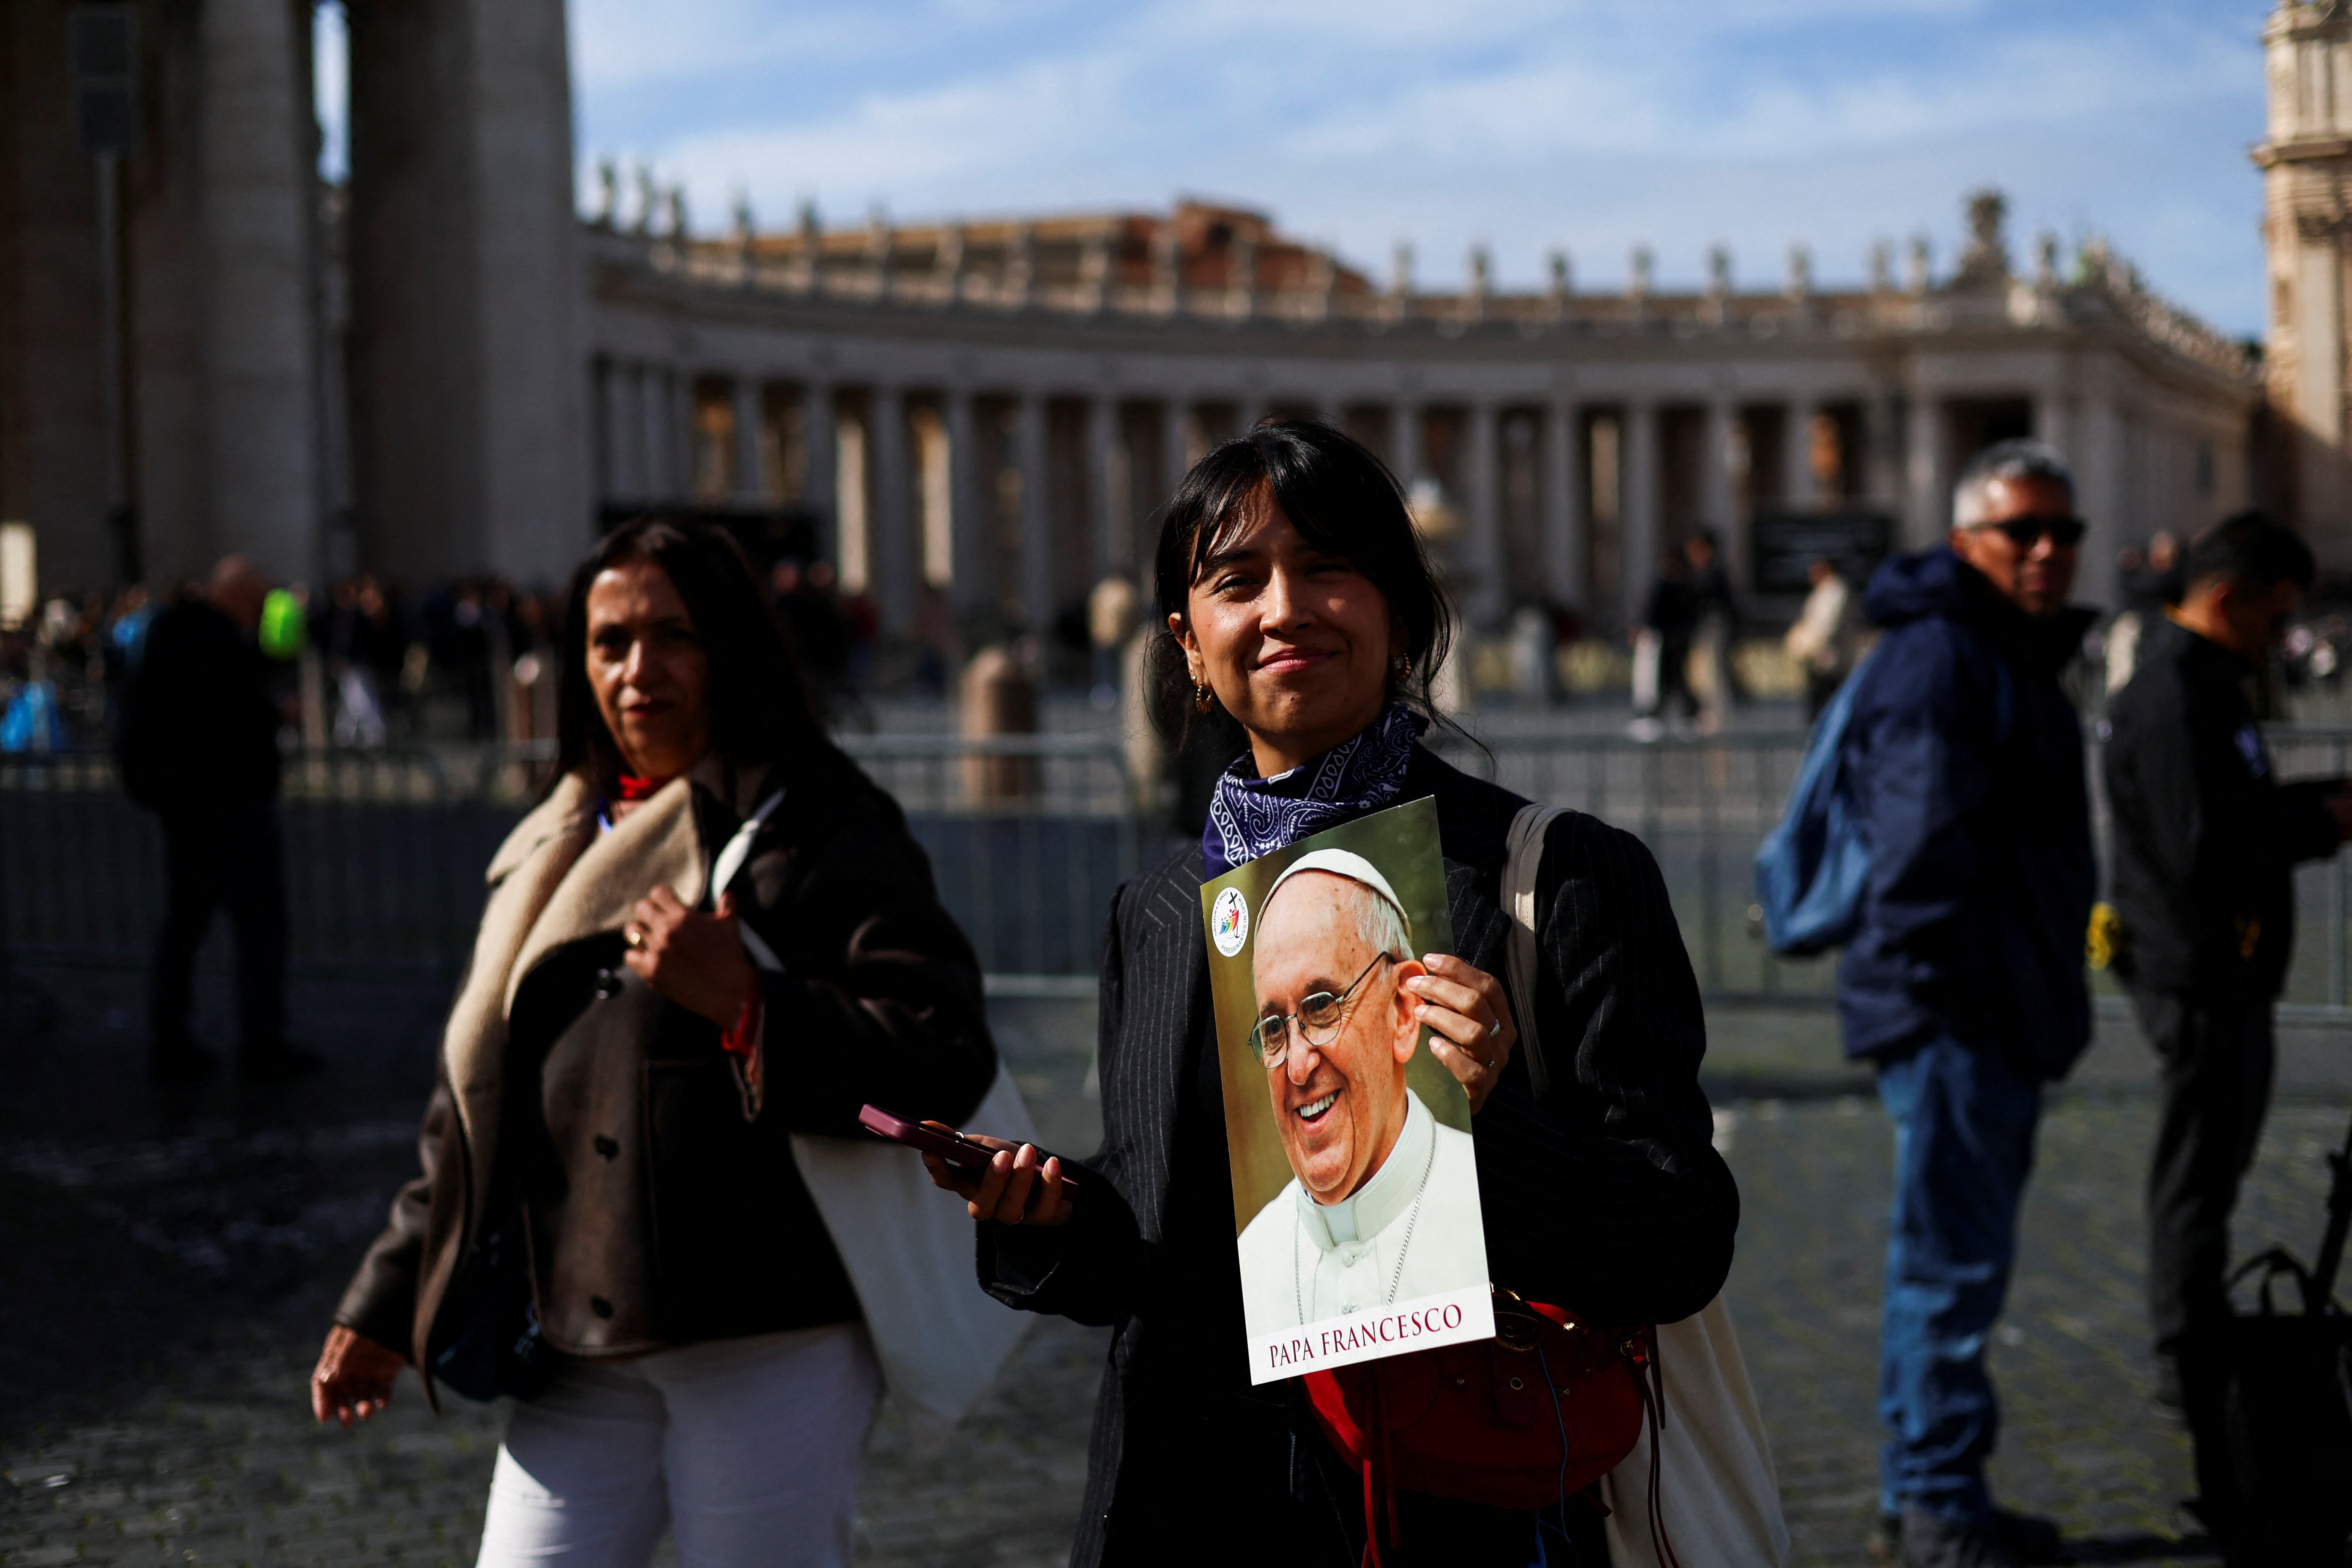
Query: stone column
x=1036, y=513
x=1114, y=540
x=1489, y=592
x=1564, y=549
x=471, y=431
x=1798, y=491
x=2100, y=479
x=1882, y=446
x=627, y=430
x=1927, y=499
x=1404, y=440
x=1638, y=526
x=259, y=348
x=2050, y=418
x=637, y=394
x=1715, y=499
x=821, y=497
x=624, y=402
x=653, y=420
x=894, y=566
x=677, y=425
x=1174, y=460
x=530, y=297
x=967, y=503
x=604, y=464
x=653, y=413
x=748, y=412
x=681, y=433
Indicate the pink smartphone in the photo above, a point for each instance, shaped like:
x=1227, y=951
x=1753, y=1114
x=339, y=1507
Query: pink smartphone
x=953, y=1147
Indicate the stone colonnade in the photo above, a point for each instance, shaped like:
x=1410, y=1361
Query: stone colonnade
x=1571, y=498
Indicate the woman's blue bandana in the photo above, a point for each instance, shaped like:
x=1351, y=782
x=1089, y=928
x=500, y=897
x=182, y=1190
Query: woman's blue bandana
x=1251, y=816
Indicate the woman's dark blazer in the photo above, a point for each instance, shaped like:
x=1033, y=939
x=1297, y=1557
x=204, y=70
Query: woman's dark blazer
x=660, y=1200
x=1606, y=1196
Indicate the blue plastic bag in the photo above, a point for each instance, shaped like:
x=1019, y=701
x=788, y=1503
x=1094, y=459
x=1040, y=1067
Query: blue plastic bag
x=33, y=722
x=1814, y=868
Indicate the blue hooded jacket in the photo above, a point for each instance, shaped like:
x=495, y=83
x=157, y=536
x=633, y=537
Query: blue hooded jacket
x=1964, y=761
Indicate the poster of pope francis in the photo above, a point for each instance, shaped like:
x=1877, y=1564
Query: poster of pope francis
x=1354, y=1181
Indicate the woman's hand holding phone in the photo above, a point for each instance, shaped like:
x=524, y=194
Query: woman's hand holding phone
x=1019, y=1186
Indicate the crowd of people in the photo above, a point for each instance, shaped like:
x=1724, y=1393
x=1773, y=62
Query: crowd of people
x=446, y=662
x=714, y=942
x=458, y=661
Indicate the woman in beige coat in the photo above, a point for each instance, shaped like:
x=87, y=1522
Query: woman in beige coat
x=609, y=1226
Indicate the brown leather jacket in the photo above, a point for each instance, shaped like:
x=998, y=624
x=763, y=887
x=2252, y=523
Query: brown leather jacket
x=658, y=1197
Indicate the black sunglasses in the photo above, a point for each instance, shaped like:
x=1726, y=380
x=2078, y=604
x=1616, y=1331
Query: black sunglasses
x=2025, y=532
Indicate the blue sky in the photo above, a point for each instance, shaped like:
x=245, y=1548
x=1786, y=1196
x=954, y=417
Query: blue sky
x=1592, y=124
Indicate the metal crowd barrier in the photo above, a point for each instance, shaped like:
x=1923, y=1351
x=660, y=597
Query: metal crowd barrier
x=384, y=854
x=1702, y=805
x=1028, y=835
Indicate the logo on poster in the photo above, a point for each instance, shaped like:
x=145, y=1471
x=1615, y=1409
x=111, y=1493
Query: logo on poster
x=1229, y=921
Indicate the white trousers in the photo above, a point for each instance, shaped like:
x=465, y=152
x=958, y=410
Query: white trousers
x=748, y=1449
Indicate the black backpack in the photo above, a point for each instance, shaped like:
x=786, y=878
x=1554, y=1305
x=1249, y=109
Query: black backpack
x=2272, y=1412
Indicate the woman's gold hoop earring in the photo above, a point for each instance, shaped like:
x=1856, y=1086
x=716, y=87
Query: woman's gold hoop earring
x=1203, y=700
x=1403, y=666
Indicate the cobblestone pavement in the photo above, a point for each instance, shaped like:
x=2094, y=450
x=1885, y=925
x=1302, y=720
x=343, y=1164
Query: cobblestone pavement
x=171, y=1265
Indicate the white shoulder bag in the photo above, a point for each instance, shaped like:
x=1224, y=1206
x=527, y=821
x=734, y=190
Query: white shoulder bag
x=1718, y=1499
x=907, y=1246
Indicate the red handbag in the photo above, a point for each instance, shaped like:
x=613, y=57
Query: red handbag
x=1521, y=1421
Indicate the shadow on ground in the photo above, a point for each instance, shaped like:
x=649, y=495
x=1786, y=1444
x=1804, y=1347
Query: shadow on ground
x=174, y=1259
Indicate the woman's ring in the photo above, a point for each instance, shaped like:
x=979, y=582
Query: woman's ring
x=633, y=935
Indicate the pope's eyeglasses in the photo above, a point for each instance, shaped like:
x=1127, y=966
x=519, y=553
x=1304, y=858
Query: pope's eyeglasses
x=1318, y=1018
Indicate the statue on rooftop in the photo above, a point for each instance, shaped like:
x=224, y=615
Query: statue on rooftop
x=1985, y=261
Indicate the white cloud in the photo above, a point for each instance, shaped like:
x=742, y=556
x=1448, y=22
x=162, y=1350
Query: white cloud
x=922, y=149
x=1597, y=122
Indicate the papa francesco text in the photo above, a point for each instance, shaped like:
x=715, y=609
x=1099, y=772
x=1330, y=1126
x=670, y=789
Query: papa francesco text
x=1392, y=1328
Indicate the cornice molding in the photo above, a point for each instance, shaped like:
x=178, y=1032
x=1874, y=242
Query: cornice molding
x=2308, y=149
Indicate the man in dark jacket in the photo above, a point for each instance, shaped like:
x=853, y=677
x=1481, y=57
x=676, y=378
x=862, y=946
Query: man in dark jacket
x=199, y=748
x=1964, y=984
x=2206, y=838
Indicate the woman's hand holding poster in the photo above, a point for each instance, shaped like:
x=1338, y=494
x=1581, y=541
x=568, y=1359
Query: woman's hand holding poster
x=1355, y=1185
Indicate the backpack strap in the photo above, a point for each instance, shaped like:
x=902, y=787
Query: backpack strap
x=1524, y=864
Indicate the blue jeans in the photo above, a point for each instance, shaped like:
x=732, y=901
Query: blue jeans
x=1963, y=1146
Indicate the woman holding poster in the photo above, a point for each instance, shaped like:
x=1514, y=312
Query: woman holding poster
x=1318, y=1140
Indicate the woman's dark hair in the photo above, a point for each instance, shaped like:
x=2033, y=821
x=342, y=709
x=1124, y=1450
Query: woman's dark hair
x=1342, y=499
x=759, y=707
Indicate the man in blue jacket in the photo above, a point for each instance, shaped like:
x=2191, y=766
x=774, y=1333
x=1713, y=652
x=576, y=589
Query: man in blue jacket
x=1964, y=984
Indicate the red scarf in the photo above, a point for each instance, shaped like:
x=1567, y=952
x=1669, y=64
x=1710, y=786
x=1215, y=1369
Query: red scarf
x=633, y=788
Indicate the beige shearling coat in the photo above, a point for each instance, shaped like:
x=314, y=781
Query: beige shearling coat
x=659, y=1204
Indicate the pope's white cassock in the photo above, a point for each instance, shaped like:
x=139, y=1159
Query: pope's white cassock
x=1412, y=1230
